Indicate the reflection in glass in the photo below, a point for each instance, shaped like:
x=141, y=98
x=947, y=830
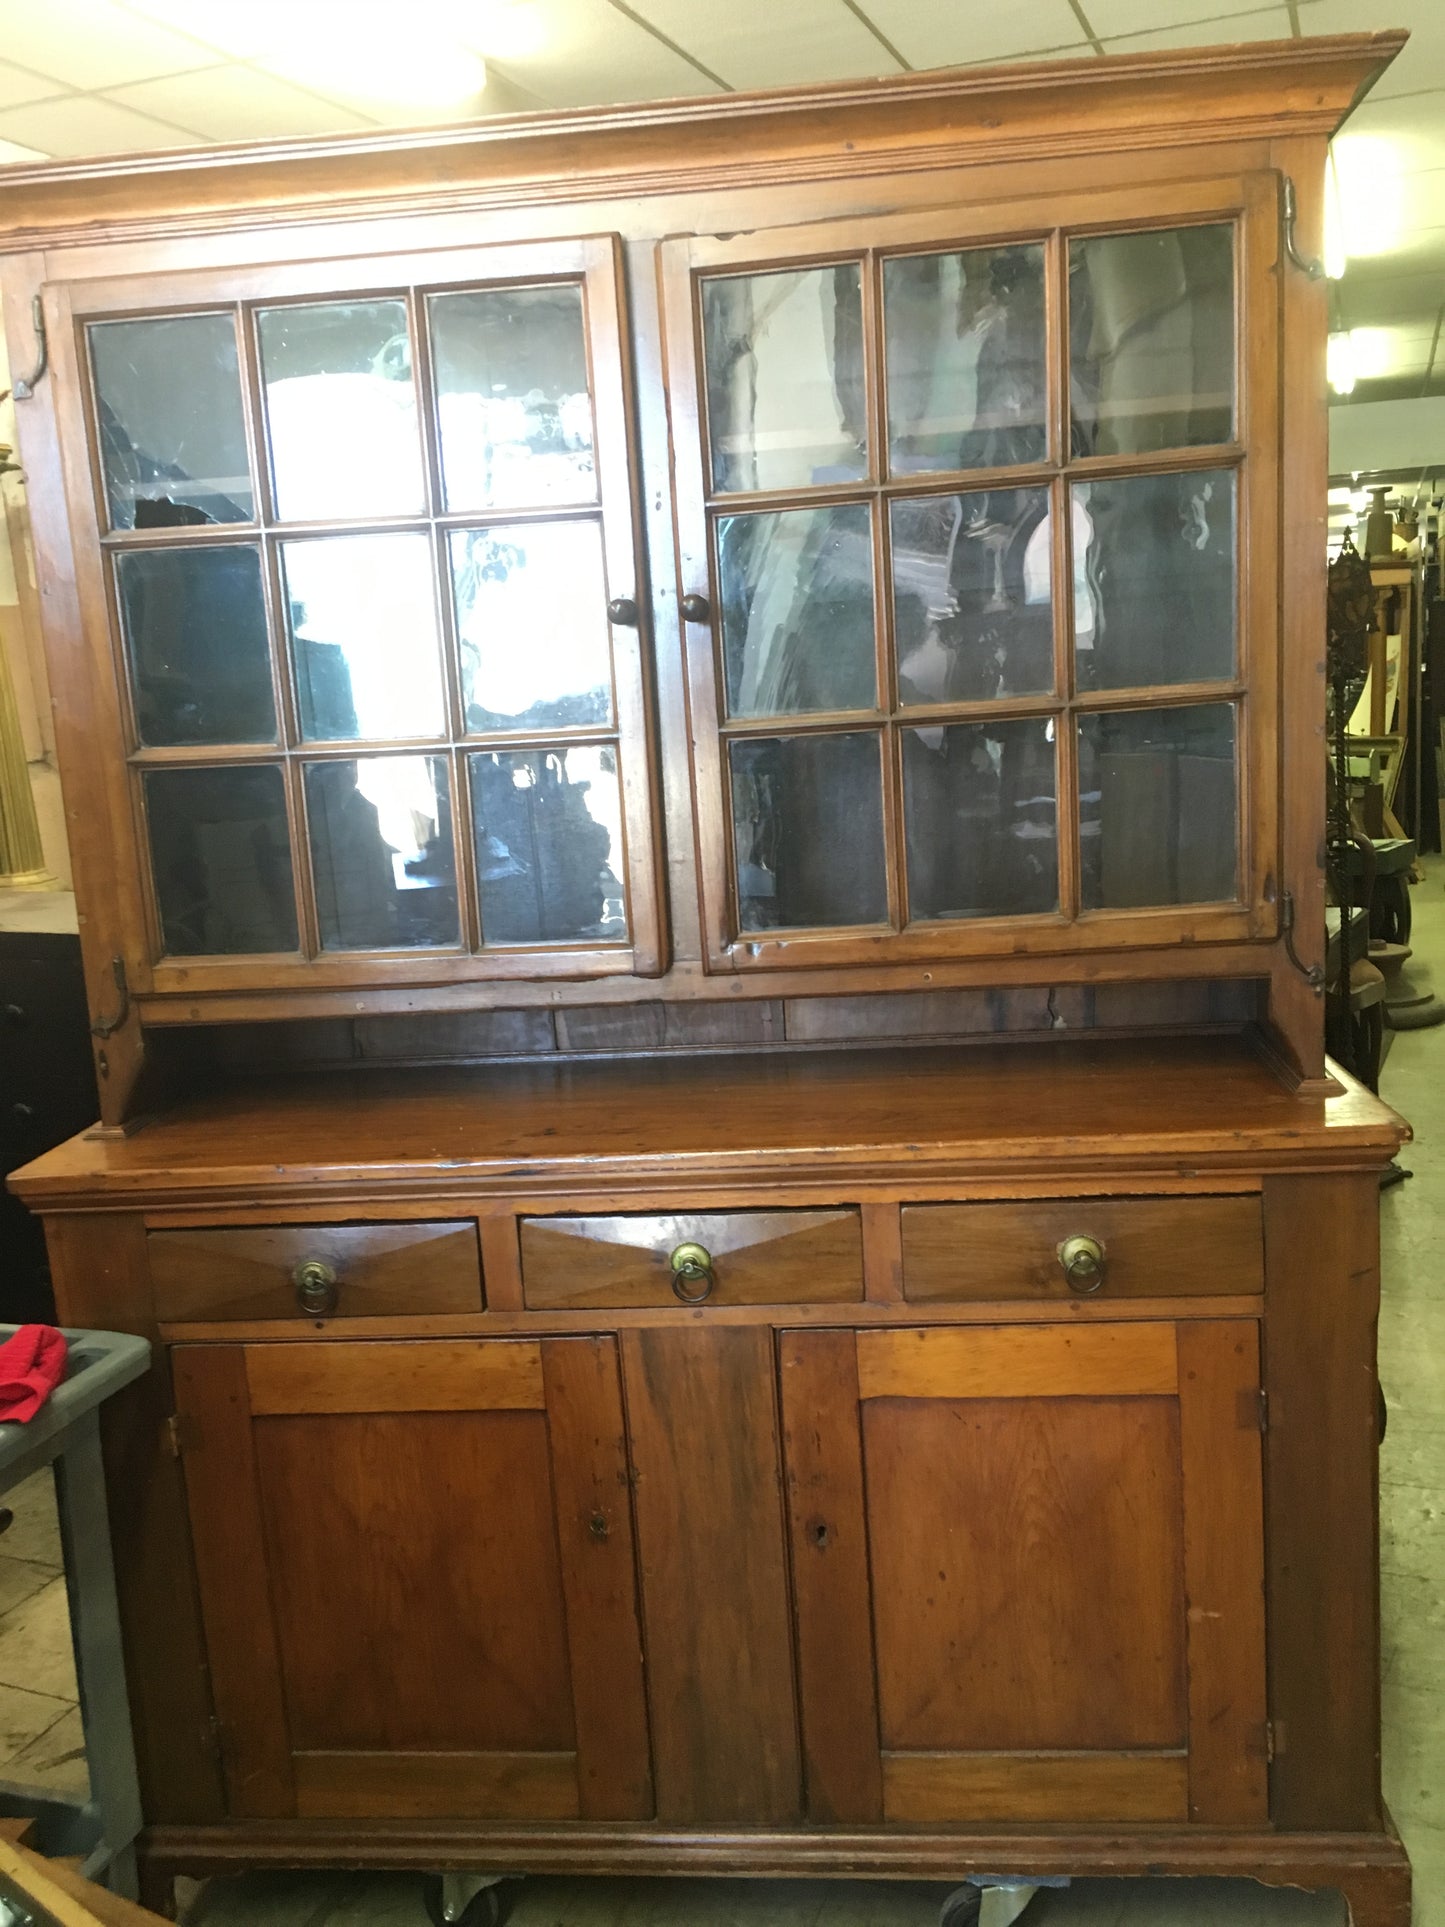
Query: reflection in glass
x=548, y=829
x=194, y=621
x=785, y=393
x=1157, y=806
x=808, y=831
x=980, y=824
x=172, y=437
x=362, y=618
x=531, y=610
x=1154, y=579
x=340, y=410
x=797, y=610
x=513, y=402
x=381, y=853
x=971, y=599
x=966, y=366
x=1151, y=321
x=221, y=859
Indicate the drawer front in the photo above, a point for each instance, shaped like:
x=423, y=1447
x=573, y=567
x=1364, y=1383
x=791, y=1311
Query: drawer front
x=347, y=1270
x=1152, y=1247
x=757, y=1258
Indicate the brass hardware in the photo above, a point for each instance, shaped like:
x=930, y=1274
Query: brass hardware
x=315, y=1284
x=1083, y=1262
x=108, y=1026
x=696, y=608
x=692, y=1265
x=24, y=386
x=623, y=611
x=1312, y=270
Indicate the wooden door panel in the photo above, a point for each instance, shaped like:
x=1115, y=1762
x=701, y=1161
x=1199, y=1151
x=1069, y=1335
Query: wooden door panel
x=1027, y=1572
x=418, y=1581
x=1064, y=1550
x=702, y=1426
x=415, y=1581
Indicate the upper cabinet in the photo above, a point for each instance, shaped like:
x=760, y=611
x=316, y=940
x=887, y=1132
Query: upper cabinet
x=364, y=577
x=978, y=561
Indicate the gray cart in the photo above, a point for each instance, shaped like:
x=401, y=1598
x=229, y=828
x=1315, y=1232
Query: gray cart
x=65, y=1433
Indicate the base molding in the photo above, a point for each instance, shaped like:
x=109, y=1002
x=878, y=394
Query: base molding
x=1370, y=1869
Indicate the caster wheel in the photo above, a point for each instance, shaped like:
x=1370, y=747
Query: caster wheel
x=962, y=1909
x=489, y=1908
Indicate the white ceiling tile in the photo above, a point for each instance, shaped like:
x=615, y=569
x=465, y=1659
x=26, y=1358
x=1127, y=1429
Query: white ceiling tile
x=757, y=43
x=13, y=154
x=1228, y=31
x=94, y=43
x=85, y=124
x=1420, y=65
x=1396, y=136
x=239, y=31
x=1379, y=301
x=236, y=103
x=594, y=53
x=1202, y=23
x=958, y=33
x=18, y=88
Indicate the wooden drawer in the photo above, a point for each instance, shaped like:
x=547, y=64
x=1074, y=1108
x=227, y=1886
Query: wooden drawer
x=1153, y=1247
x=379, y=1269
x=758, y=1258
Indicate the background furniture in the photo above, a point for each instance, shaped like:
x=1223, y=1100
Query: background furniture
x=614, y=670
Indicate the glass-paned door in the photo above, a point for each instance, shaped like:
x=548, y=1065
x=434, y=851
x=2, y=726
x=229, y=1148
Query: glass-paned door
x=367, y=540
x=977, y=564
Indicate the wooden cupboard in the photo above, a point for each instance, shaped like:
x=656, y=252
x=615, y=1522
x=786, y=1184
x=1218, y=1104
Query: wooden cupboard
x=692, y=736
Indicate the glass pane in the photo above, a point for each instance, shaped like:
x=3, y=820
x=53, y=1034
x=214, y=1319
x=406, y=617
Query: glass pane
x=1151, y=324
x=172, y=435
x=785, y=391
x=797, y=610
x=548, y=827
x=966, y=367
x=808, y=831
x=980, y=819
x=362, y=616
x=531, y=603
x=221, y=858
x=341, y=410
x=195, y=630
x=1154, y=579
x=513, y=402
x=972, y=612
x=381, y=853
x=1157, y=805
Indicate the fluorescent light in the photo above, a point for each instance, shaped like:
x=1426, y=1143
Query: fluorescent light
x=1340, y=364
x=1371, y=195
x=1336, y=248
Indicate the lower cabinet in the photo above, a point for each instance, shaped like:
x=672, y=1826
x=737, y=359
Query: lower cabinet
x=1028, y=1570
x=957, y=1573
x=417, y=1577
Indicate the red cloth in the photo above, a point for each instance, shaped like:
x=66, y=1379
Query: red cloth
x=32, y=1364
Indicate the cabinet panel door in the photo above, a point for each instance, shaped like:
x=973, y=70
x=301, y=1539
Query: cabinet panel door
x=416, y=1576
x=1049, y=1604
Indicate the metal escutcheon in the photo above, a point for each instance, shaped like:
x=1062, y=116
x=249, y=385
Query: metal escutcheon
x=315, y=1284
x=1083, y=1262
x=692, y=1273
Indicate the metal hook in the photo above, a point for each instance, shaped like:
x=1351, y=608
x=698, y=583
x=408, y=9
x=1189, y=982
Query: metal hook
x=108, y=1026
x=24, y=386
x=1312, y=270
x=1313, y=974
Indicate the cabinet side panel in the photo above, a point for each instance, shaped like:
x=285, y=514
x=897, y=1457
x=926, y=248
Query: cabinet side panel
x=225, y=1505
x=702, y=1424
x=1322, y=1260
x=827, y=1520
x=599, y=1577
x=101, y=1280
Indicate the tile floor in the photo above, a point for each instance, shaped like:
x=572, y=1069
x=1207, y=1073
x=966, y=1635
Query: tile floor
x=39, y=1737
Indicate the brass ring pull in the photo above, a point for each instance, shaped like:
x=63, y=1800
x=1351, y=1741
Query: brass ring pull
x=1083, y=1262
x=315, y=1284
x=692, y=1273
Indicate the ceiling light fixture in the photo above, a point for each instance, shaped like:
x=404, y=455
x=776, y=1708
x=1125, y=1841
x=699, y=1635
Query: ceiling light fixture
x=1340, y=363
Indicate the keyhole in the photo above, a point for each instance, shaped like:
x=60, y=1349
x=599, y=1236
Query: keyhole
x=597, y=1525
x=820, y=1535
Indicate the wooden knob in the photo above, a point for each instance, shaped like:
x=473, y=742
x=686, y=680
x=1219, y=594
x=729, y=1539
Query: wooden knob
x=696, y=608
